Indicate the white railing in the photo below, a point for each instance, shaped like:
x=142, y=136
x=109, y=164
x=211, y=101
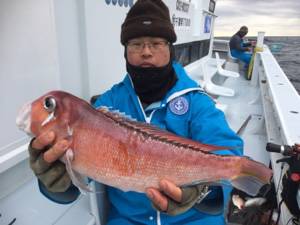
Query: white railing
x=223, y=46
x=13, y=157
x=281, y=104
x=286, y=100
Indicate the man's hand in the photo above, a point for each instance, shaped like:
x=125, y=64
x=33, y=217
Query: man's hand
x=43, y=157
x=167, y=190
x=174, y=200
x=53, y=153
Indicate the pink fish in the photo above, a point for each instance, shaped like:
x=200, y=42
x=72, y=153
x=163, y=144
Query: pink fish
x=130, y=155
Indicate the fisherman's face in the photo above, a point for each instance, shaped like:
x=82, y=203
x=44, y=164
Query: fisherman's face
x=243, y=32
x=148, y=52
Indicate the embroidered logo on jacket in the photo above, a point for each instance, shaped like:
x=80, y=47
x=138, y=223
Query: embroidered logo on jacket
x=179, y=105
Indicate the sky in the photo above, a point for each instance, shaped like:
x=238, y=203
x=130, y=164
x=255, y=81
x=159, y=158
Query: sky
x=275, y=17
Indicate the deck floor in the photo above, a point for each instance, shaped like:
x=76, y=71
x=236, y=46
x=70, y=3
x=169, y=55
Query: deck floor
x=244, y=114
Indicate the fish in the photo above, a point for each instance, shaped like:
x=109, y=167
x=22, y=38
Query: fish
x=132, y=156
x=240, y=203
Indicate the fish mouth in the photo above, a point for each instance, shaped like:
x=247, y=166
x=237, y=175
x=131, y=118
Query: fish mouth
x=23, y=120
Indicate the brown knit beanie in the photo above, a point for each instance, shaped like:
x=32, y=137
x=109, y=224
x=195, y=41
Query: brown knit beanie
x=148, y=18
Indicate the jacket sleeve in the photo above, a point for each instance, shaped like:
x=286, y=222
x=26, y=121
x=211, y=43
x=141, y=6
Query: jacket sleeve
x=105, y=99
x=247, y=44
x=237, y=43
x=208, y=125
x=67, y=197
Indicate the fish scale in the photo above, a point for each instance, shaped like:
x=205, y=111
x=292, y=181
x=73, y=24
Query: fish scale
x=132, y=156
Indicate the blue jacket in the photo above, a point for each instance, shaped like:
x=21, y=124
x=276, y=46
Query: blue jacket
x=186, y=111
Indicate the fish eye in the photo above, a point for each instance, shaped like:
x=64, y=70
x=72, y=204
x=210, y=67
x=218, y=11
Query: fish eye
x=49, y=104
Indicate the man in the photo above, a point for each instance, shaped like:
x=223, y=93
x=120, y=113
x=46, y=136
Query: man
x=156, y=90
x=238, y=48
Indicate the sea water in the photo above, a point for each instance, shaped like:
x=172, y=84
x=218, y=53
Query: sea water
x=286, y=50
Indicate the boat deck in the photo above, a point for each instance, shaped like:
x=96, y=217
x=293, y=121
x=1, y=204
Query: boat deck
x=244, y=114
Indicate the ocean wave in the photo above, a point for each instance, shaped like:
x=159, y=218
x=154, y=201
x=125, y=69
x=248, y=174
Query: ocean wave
x=288, y=57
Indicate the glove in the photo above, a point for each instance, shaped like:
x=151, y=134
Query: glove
x=52, y=175
x=190, y=196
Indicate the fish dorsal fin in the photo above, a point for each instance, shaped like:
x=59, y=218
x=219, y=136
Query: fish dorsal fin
x=156, y=133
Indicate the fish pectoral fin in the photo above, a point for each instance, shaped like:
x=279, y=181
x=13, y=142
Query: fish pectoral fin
x=77, y=179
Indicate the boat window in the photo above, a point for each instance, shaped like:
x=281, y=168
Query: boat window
x=182, y=54
x=195, y=49
x=189, y=52
x=212, y=5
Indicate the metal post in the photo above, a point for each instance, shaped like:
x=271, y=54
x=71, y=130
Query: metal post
x=94, y=204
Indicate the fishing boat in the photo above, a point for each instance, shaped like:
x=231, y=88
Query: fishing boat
x=75, y=46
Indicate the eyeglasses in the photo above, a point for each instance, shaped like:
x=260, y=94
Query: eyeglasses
x=154, y=46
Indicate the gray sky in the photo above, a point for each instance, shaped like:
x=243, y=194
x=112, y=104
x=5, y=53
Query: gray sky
x=275, y=17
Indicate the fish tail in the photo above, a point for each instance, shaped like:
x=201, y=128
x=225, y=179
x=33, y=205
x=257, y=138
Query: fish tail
x=253, y=175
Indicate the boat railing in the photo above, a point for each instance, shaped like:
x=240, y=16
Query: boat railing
x=222, y=45
x=283, y=95
x=281, y=105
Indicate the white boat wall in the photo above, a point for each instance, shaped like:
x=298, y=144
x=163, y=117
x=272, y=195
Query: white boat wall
x=75, y=46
